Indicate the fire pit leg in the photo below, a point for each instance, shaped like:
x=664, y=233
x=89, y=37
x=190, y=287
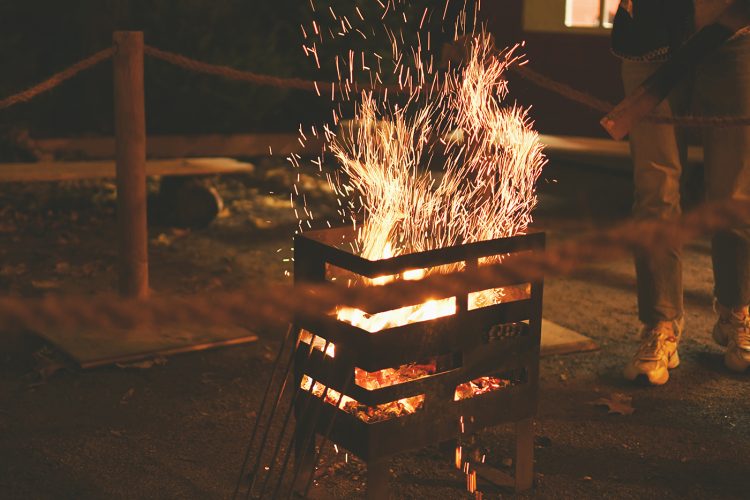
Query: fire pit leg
x=378, y=479
x=524, y=454
x=304, y=460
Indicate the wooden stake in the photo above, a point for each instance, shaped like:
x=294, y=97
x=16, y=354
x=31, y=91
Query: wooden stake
x=524, y=455
x=130, y=134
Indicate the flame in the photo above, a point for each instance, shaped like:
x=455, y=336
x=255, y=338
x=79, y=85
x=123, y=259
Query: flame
x=365, y=413
x=372, y=323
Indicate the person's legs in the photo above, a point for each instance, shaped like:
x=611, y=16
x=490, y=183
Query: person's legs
x=658, y=152
x=722, y=88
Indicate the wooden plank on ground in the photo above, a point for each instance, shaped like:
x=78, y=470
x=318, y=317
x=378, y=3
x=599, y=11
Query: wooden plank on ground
x=586, y=150
x=557, y=339
x=78, y=170
x=600, y=152
x=92, y=348
x=179, y=146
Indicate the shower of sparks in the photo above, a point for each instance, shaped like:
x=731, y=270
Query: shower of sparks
x=432, y=160
x=490, y=155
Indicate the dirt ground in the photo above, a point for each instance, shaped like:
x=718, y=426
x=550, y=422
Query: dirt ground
x=179, y=429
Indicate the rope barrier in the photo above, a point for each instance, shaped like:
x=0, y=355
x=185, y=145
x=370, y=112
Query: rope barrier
x=271, y=304
x=563, y=89
x=530, y=75
x=232, y=73
x=603, y=106
x=57, y=78
x=194, y=65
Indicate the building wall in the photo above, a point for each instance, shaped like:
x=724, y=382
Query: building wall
x=583, y=61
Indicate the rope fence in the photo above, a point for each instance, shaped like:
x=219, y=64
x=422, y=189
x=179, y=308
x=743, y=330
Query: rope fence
x=229, y=73
x=57, y=78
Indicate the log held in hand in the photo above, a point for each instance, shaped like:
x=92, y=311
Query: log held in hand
x=130, y=133
x=647, y=97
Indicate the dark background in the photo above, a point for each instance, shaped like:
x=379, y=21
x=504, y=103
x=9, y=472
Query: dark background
x=40, y=37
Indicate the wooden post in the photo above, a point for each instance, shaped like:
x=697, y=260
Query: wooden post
x=378, y=478
x=524, y=454
x=130, y=138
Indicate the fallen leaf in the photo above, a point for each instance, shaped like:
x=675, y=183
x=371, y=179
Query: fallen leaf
x=617, y=403
x=126, y=397
x=162, y=240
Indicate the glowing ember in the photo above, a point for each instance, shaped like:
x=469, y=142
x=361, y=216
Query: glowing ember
x=399, y=317
x=367, y=414
x=479, y=386
x=318, y=343
x=393, y=376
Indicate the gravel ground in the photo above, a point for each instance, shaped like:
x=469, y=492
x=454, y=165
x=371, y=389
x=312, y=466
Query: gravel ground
x=179, y=429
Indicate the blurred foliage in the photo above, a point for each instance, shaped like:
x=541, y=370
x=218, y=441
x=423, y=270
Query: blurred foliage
x=39, y=37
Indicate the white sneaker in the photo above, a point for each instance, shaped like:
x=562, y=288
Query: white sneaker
x=657, y=353
x=732, y=330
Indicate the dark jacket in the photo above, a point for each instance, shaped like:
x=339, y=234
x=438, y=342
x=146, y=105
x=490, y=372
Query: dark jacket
x=656, y=28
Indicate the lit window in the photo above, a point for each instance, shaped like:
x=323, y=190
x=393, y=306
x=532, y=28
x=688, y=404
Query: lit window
x=574, y=16
x=590, y=13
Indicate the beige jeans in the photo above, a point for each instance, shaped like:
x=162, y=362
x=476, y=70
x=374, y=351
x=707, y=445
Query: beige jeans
x=719, y=86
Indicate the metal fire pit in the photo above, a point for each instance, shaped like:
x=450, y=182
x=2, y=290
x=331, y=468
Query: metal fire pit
x=501, y=339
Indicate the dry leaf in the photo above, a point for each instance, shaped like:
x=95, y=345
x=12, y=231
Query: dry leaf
x=617, y=403
x=126, y=397
x=162, y=240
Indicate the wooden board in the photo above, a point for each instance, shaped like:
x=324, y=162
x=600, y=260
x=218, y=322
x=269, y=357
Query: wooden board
x=178, y=146
x=92, y=348
x=599, y=152
x=78, y=170
x=557, y=339
x=587, y=150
